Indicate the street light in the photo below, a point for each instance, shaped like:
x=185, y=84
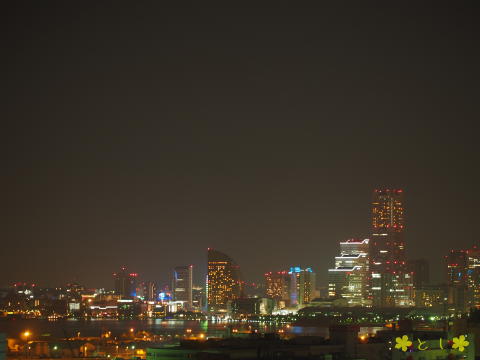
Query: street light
x=26, y=334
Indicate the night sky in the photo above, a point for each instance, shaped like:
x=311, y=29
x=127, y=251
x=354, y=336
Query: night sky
x=142, y=135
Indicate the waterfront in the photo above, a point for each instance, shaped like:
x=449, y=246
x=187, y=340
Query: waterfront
x=95, y=327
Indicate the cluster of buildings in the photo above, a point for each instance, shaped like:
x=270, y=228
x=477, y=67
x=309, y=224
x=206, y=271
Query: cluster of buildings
x=130, y=298
x=375, y=271
x=369, y=272
x=372, y=272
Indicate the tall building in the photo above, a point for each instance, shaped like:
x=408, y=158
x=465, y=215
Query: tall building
x=182, y=285
x=391, y=282
x=350, y=277
x=125, y=283
x=302, y=285
x=198, y=296
x=456, y=264
x=420, y=272
x=473, y=277
x=463, y=279
x=149, y=291
x=146, y=290
x=223, y=281
x=277, y=287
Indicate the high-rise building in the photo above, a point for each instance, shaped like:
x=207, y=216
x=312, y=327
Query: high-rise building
x=350, y=277
x=125, y=283
x=302, y=285
x=198, y=296
x=456, y=264
x=150, y=291
x=473, y=277
x=277, y=285
x=463, y=279
x=391, y=282
x=147, y=290
x=420, y=272
x=223, y=281
x=182, y=284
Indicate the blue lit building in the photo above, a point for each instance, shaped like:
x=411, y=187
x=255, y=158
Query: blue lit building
x=302, y=285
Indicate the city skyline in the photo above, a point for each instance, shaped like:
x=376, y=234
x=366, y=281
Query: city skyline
x=259, y=131
x=392, y=219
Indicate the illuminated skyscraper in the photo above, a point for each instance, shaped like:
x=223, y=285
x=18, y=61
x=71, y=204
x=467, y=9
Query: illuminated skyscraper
x=350, y=277
x=302, y=285
x=391, y=282
x=125, y=284
x=223, y=281
x=182, y=284
x=147, y=290
x=277, y=285
x=456, y=263
x=463, y=279
x=473, y=277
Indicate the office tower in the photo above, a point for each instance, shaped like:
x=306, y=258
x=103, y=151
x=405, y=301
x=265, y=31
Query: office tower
x=182, y=285
x=473, y=277
x=149, y=291
x=125, y=283
x=277, y=285
x=198, y=296
x=223, y=281
x=463, y=279
x=420, y=272
x=350, y=277
x=302, y=285
x=456, y=264
x=391, y=282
